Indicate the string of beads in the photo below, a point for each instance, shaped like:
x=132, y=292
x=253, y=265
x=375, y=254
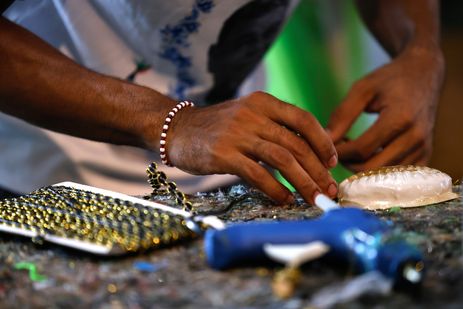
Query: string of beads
x=165, y=129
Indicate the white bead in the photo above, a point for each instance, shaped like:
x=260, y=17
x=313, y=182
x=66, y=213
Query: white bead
x=165, y=128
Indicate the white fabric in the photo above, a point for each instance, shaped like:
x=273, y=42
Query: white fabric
x=107, y=36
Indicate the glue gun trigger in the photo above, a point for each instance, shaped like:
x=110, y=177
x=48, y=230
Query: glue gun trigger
x=294, y=255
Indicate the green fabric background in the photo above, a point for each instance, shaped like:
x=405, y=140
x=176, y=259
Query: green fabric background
x=316, y=58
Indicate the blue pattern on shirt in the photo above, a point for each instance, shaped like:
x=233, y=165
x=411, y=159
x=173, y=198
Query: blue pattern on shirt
x=175, y=37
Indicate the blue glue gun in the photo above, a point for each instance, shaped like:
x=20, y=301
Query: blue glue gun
x=353, y=236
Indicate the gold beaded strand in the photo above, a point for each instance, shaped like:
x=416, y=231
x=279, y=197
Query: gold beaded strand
x=158, y=181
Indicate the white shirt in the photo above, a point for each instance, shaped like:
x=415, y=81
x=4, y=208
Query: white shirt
x=184, y=42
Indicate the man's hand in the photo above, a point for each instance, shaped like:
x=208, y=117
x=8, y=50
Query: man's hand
x=235, y=136
x=404, y=93
x=50, y=90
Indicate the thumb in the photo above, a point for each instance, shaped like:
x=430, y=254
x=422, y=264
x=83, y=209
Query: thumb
x=348, y=110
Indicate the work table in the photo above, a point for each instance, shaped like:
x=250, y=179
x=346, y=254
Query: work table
x=178, y=277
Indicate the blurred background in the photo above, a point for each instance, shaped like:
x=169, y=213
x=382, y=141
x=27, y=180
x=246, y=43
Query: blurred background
x=325, y=47
x=448, y=138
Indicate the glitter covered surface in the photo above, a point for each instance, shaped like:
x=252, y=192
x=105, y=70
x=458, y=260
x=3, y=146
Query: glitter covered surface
x=181, y=278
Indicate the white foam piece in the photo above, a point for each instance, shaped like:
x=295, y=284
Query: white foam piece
x=402, y=186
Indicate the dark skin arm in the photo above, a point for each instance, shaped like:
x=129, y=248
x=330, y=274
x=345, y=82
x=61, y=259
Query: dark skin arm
x=404, y=92
x=43, y=87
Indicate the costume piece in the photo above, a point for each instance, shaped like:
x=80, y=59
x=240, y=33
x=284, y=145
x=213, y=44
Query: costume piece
x=94, y=220
x=105, y=222
x=189, y=46
x=402, y=186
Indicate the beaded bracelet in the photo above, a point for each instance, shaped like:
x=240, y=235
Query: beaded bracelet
x=165, y=128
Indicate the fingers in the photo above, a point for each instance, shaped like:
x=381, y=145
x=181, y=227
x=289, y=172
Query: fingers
x=421, y=156
x=257, y=176
x=305, y=124
x=303, y=154
x=348, y=111
x=405, y=149
x=417, y=157
x=283, y=160
x=422, y=162
x=381, y=133
x=237, y=134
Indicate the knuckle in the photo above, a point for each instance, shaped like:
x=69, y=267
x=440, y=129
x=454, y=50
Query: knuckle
x=298, y=147
x=257, y=96
x=308, y=188
x=363, y=152
x=274, y=132
x=363, y=89
x=242, y=114
x=236, y=125
x=307, y=117
x=360, y=84
x=260, y=93
x=280, y=157
x=419, y=136
x=406, y=119
x=253, y=174
x=303, y=119
x=321, y=175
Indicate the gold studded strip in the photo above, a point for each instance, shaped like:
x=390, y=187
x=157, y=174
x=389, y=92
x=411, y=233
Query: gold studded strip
x=386, y=170
x=83, y=218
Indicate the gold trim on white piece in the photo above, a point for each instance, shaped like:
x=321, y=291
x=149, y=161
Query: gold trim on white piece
x=396, y=186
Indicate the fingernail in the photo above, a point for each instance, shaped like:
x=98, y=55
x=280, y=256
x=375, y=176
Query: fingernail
x=315, y=196
x=332, y=190
x=333, y=161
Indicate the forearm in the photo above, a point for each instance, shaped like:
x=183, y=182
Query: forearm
x=400, y=25
x=43, y=87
